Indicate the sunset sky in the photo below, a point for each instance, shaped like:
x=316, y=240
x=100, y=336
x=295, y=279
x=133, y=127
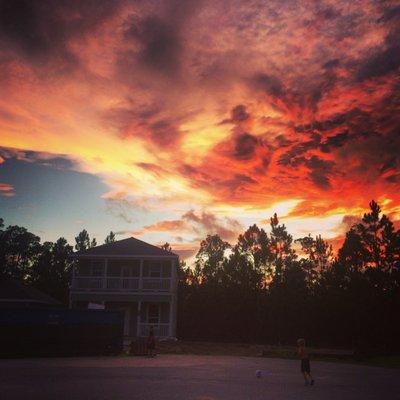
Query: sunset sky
x=169, y=120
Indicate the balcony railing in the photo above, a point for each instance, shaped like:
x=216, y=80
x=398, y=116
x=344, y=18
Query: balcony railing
x=160, y=330
x=119, y=283
x=101, y=283
x=156, y=284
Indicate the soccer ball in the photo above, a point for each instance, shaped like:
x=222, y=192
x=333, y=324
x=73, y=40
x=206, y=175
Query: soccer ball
x=258, y=373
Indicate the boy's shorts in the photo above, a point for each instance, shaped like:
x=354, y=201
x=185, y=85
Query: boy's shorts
x=305, y=365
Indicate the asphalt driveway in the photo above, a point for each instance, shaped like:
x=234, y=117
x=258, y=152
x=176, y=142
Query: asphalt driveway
x=190, y=377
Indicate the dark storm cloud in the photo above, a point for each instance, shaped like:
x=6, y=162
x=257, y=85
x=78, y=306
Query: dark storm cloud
x=31, y=26
x=328, y=13
x=335, y=62
x=323, y=85
x=356, y=121
x=335, y=141
x=160, y=43
x=245, y=146
x=291, y=157
x=160, y=37
x=39, y=29
x=283, y=141
x=268, y=84
x=390, y=13
x=239, y=113
x=390, y=164
x=319, y=171
x=382, y=63
x=386, y=60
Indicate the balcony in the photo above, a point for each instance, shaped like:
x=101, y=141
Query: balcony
x=120, y=284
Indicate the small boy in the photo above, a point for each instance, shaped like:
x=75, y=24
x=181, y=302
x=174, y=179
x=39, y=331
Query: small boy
x=305, y=362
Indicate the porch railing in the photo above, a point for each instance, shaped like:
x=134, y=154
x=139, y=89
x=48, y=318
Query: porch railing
x=156, y=284
x=121, y=283
x=160, y=330
x=87, y=282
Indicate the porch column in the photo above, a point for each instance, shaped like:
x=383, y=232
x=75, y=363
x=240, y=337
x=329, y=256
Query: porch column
x=72, y=284
x=174, y=298
x=141, y=275
x=105, y=274
x=171, y=317
x=139, y=309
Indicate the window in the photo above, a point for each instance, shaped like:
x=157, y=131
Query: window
x=97, y=268
x=153, y=313
x=90, y=268
x=113, y=269
x=156, y=269
x=166, y=269
x=125, y=268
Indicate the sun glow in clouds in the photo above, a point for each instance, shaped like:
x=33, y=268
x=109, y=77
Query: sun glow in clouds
x=211, y=115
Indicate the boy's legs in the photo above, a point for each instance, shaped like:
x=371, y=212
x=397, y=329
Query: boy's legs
x=310, y=378
x=306, y=370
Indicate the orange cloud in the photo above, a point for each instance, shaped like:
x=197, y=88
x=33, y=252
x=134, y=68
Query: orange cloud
x=6, y=190
x=201, y=107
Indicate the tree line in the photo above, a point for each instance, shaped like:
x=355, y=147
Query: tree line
x=266, y=288
x=46, y=266
x=269, y=288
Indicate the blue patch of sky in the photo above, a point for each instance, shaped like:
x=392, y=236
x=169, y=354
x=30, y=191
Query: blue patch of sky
x=53, y=202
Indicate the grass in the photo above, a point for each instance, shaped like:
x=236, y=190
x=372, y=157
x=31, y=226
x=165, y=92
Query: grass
x=386, y=361
x=286, y=352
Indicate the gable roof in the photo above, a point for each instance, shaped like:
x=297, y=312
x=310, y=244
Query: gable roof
x=12, y=290
x=126, y=247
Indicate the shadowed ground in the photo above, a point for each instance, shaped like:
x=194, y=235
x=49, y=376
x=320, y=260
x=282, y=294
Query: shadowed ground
x=187, y=377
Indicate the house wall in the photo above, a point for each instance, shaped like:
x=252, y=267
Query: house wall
x=135, y=302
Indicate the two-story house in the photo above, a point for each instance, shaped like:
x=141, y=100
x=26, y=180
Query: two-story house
x=132, y=276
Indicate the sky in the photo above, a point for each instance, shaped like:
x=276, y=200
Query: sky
x=171, y=120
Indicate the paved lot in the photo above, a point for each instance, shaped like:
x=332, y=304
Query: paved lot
x=187, y=377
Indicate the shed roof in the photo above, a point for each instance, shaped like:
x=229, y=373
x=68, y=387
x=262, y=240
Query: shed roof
x=12, y=290
x=126, y=247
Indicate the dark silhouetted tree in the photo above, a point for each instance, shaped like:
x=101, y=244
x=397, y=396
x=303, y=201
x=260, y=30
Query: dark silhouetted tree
x=18, y=250
x=82, y=241
x=372, y=243
x=110, y=238
x=210, y=258
x=166, y=246
x=281, y=252
x=51, y=271
x=254, y=245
